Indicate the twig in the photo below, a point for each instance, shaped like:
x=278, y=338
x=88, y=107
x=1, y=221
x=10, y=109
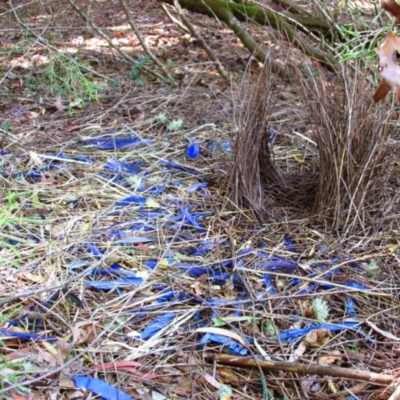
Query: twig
x=204, y=44
x=300, y=368
x=248, y=41
x=126, y=56
x=173, y=19
x=143, y=44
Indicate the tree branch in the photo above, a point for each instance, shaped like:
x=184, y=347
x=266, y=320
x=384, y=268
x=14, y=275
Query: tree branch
x=143, y=44
x=204, y=44
x=254, y=13
x=300, y=368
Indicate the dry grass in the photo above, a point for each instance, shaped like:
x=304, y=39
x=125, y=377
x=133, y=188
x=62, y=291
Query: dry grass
x=348, y=166
x=252, y=167
x=62, y=234
x=351, y=134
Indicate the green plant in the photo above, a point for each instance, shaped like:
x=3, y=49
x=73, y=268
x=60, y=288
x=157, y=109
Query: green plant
x=360, y=45
x=64, y=76
x=5, y=126
x=10, y=370
x=137, y=70
x=9, y=217
x=175, y=125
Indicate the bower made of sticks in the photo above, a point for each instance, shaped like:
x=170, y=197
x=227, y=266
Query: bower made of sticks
x=344, y=175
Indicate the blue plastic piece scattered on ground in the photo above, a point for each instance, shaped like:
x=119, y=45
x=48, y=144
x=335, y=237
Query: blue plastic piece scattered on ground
x=153, y=190
x=100, y=388
x=226, y=146
x=276, y=265
x=132, y=199
x=136, y=239
x=27, y=336
x=119, y=283
x=156, y=325
x=176, y=165
x=83, y=159
x=117, y=143
x=356, y=285
x=196, y=186
x=151, y=264
x=295, y=333
x=289, y=244
x=233, y=346
x=94, y=249
x=268, y=285
x=193, y=150
x=349, y=304
x=115, y=165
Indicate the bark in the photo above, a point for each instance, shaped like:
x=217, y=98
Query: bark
x=304, y=369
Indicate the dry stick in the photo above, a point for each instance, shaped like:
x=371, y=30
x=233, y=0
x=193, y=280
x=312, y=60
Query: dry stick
x=173, y=19
x=126, y=56
x=143, y=44
x=204, y=44
x=300, y=368
x=249, y=42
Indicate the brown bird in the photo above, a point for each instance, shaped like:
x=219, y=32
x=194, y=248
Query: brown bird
x=390, y=75
x=391, y=7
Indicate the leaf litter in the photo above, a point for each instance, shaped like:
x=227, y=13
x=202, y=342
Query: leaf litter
x=151, y=258
x=159, y=272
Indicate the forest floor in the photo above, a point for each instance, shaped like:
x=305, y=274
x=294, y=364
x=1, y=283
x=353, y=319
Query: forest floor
x=126, y=270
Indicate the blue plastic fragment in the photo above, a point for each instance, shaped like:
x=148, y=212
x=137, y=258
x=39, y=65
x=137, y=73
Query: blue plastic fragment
x=196, y=186
x=116, y=165
x=115, y=284
x=151, y=264
x=154, y=189
x=26, y=336
x=83, y=159
x=226, y=146
x=349, y=304
x=205, y=247
x=94, y=249
x=136, y=239
x=233, y=346
x=156, y=325
x=114, y=269
x=117, y=143
x=356, y=285
x=193, y=150
x=276, y=265
x=132, y=199
x=268, y=285
x=100, y=388
x=289, y=244
x=295, y=333
x=77, y=264
x=192, y=218
x=310, y=288
x=152, y=214
x=176, y=165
